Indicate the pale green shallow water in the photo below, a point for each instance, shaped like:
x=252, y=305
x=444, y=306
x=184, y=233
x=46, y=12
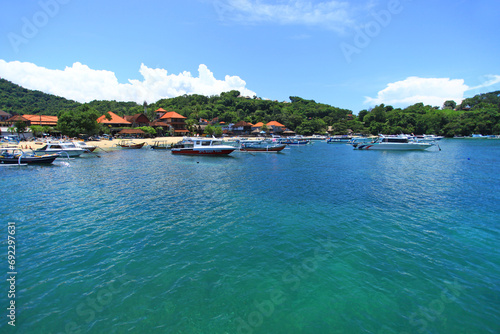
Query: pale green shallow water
x=317, y=239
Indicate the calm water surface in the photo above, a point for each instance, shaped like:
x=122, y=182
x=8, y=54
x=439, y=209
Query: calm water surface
x=316, y=239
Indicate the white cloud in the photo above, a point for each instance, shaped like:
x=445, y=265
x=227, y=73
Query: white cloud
x=83, y=84
x=334, y=15
x=489, y=80
x=430, y=91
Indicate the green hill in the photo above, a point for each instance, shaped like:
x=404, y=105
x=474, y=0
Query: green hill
x=17, y=100
x=478, y=114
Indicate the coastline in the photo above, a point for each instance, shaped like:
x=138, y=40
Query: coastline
x=106, y=144
x=148, y=141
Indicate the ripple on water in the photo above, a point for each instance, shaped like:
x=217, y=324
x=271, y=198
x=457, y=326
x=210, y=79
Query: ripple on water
x=350, y=241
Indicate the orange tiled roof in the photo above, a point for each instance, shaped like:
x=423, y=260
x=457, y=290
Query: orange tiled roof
x=274, y=123
x=243, y=124
x=159, y=123
x=258, y=125
x=172, y=114
x=17, y=118
x=115, y=119
x=41, y=119
x=160, y=110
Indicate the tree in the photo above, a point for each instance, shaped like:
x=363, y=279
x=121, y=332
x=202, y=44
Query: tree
x=218, y=131
x=264, y=128
x=450, y=104
x=310, y=127
x=11, y=129
x=82, y=120
x=148, y=130
x=362, y=114
x=20, y=128
x=37, y=130
x=209, y=130
x=190, y=124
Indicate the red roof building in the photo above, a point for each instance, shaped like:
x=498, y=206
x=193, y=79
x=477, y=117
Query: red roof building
x=160, y=112
x=115, y=120
x=241, y=128
x=176, y=122
x=42, y=120
x=257, y=125
x=138, y=120
x=275, y=127
x=18, y=118
x=276, y=124
x=4, y=115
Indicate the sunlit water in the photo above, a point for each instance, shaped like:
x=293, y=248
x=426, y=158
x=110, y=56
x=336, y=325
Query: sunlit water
x=316, y=239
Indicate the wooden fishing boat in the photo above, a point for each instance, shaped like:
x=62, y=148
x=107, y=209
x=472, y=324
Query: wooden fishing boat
x=130, y=144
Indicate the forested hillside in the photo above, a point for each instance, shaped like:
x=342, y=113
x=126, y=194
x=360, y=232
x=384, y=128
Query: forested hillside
x=17, y=100
x=479, y=114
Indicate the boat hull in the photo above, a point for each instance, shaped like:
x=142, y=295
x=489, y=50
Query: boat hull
x=272, y=148
x=300, y=142
x=35, y=160
x=71, y=153
x=132, y=146
x=393, y=147
x=197, y=151
x=338, y=140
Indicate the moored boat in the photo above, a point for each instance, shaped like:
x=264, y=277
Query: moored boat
x=317, y=137
x=201, y=146
x=344, y=139
x=130, y=144
x=297, y=140
x=393, y=143
x=83, y=145
x=261, y=146
x=427, y=138
x=67, y=149
x=13, y=156
x=161, y=145
x=361, y=140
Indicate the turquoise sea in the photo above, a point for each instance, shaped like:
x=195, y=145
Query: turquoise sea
x=316, y=239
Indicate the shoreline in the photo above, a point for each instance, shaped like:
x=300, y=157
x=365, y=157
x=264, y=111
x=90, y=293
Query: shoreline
x=106, y=144
x=148, y=141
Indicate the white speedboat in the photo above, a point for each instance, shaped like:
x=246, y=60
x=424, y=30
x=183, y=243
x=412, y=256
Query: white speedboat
x=393, y=143
x=339, y=139
x=201, y=146
x=261, y=146
x=66, y=149
x=428, y=138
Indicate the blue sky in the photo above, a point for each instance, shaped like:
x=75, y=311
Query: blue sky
x=350, y=54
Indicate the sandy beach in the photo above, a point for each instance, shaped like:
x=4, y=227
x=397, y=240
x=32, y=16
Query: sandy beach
x=104, y=144
x=149, y=141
